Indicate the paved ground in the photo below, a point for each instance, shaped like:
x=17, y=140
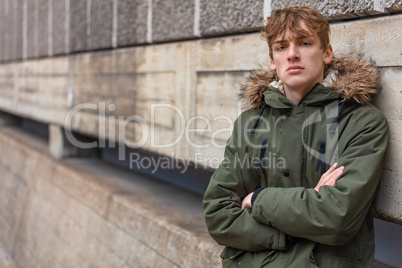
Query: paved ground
x=5, y=261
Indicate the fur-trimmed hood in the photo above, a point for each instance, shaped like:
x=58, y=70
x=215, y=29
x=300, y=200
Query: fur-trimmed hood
x=353, y=77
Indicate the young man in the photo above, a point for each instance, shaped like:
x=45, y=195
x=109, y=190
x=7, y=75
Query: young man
x=302, y=165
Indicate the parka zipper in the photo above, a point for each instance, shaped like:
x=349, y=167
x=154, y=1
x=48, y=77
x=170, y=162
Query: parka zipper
x=264, y=145
x=321, y=158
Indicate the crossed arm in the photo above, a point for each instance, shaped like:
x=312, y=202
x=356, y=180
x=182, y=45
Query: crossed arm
x=328, y=178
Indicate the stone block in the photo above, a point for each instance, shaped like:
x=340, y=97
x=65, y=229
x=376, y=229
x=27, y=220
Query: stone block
x=101, y=25
x=223, y=17
x=32, y=30
x=78, y=25
x=393, y=5
x=59, y=27
x=6, y=20
x=2, y=29
x=18, y=31
x=132, y=22
x=43, y=28
x=368, y=38
x=9, y=30
x=172, y=20
x=333, y=9
x=389, y=101
x=389, y=194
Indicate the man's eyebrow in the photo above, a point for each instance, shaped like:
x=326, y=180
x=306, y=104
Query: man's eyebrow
x=300, y=38
x=306, y=36
x=280, y=41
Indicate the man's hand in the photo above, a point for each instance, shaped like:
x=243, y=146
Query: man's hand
x=329, y=177
x=246, y=203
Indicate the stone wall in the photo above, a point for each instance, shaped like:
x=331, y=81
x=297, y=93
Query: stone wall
x=160, y=75
x=45, y=28
x=83, y=213
x=181, y=98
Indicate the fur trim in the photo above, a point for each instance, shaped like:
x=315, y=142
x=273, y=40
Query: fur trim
x=353, y=77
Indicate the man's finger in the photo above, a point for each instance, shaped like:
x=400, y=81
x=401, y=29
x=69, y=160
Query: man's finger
x=329, y=171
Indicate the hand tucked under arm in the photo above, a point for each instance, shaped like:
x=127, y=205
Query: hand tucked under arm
x=246, y=203
x=328, y=178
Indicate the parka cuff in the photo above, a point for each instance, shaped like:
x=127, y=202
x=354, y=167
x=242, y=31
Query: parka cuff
x=283, y=243
x=257, y=209
x=254, y=196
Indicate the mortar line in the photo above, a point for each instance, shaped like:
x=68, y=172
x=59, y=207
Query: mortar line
x=267, y=9
x=149, y=22
x=114, y=26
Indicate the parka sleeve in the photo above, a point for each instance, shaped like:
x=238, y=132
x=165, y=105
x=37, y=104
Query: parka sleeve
x=335, y=214
x=227, y=223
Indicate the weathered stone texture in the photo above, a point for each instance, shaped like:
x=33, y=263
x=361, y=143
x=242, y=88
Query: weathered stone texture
x=172, y=20
x=43, y=27
x=201, y=77
x=223, y=17
x=101, y=25
x=2, y=38
x=32, y=28
x=132, y=22
x=330, y=8
x=59, y=27
x=17, y=31
x=6, y=19
x=6, y=260
x=83, y=213
x=370, y=39
x=78, y=25
x=393, y=5
x=10, y=33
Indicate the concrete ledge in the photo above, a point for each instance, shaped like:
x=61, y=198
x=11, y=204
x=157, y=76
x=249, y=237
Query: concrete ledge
x=83, y=212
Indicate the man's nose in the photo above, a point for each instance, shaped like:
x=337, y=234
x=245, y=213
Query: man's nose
x=293, y=53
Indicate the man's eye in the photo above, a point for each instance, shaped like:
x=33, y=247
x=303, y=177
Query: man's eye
x=280, y=48
x=305, y=44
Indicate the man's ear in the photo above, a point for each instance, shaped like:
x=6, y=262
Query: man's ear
x=273, y=66
x=328, y=55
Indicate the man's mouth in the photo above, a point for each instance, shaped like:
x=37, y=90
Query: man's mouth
x=294, y=69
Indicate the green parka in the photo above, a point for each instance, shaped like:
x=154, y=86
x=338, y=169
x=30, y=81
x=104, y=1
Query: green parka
x=280, y=151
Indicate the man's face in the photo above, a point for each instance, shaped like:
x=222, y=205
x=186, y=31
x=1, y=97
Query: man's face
x=299, y=60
